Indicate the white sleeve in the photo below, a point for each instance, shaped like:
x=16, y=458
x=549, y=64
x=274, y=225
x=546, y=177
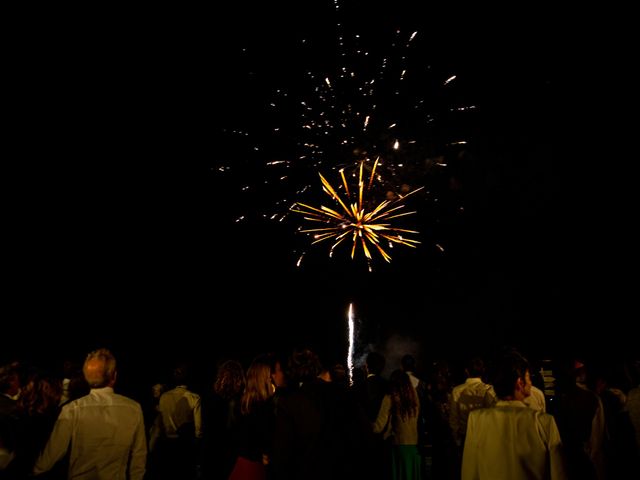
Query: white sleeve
x=58, y=443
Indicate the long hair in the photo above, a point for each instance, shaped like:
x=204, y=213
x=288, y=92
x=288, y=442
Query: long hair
x=259, y=387
x=40, y=395
x=403, y=395
x=230, y=380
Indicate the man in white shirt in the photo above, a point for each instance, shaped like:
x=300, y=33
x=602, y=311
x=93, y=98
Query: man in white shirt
x=469, y=396
x=510, y=440
x=104, y=430
x=177, y=453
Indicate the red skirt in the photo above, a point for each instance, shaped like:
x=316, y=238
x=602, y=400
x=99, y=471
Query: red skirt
x=245, y=469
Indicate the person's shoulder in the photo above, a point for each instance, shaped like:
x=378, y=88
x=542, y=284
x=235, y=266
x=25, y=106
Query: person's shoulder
x=543, y=418
x=71, y=405
x=483, y=412
x=123, y=399
x=193, y=395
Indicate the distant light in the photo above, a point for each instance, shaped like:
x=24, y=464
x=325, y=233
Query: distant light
x=449, y=80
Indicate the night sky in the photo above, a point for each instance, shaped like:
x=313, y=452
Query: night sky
x=121, y=217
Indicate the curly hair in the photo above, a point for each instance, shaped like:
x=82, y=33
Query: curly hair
x=230, y=380
x=40, y=395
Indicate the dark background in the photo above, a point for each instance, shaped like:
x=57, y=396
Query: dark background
x=121, y=230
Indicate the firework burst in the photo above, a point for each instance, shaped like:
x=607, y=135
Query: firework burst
x=359, y=220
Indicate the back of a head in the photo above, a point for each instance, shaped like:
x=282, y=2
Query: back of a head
x=180, y=374
x=100, y=368
x=304, y=365
x=408, y=363
x=9, y=379
x=258, y=387
x=475, y=367
x=508, y=369
x=230, y=380
x=375, y=363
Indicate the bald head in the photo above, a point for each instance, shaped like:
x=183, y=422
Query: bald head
x=100, y=369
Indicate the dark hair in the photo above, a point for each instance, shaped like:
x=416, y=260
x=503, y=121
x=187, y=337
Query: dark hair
x=408, y=363
x=475, y=367
x=508, y=370
x=230, y=380
x=375, y=363
x=304, y=365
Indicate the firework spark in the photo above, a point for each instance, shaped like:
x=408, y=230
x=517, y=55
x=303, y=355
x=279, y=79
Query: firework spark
x=351, y=337
x=359, y=221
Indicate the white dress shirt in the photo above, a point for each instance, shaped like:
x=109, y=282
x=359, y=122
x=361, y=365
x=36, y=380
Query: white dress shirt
x=510, y=442
x=466, y=397
x=178, y=407
x=106, y=434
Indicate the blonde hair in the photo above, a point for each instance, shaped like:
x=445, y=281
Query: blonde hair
x=259, y=387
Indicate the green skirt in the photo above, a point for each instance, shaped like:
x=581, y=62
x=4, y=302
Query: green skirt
x=406, y=463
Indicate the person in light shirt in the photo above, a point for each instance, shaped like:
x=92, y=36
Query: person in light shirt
x=510, y=440
x=468, y=396
x=104, y=431
x=536, y=400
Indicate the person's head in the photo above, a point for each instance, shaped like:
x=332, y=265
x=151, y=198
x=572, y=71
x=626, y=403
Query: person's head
x=157, y=390
x=304, y=365
x=99, y=369
x=375, y=363
x=277, y=374
x=10, y=379
x=259, y=386
x=180, y=374
x=512, y=380
x=40, y=395
x=230, y=380
x=339, y=374
x=475, y=367
x=408, y=363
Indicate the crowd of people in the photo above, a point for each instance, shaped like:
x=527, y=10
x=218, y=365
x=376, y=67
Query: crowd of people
x=292, y=418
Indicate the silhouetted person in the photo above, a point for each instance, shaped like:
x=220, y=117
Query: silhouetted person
x=320, y=431
x=580, y=417
x=181, y=428
x=9, y=389
x=220, y=417
x=37, y=413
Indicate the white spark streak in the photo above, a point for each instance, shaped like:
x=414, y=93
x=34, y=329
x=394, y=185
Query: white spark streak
x=350, y=354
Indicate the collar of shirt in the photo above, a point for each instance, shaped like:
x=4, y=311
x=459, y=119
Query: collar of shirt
x=102, y=391
x=511, y=403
